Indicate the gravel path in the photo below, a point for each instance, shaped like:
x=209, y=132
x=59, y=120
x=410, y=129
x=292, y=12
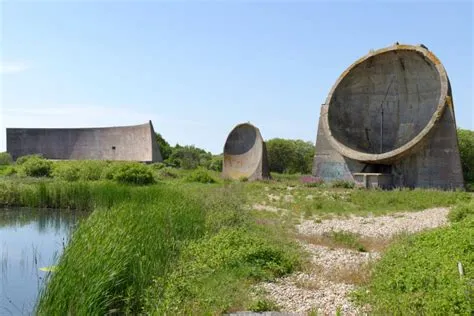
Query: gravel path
x=380, y=226
x=336, y=271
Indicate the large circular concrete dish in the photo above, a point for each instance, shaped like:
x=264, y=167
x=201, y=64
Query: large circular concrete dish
x=386, y=104
x=243, y=151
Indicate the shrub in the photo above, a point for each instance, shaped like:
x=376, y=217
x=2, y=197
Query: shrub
x=243, y=179
x=216, y=163
x=168, y=173
x=310, y=181
x=91, y=170
x=290, y=156
x=343, y=184
x=36, y=166
x=200, y=175
x=5, y=159
x=188, y=157
x=66, y=171
x=158, y=165
x=133, y=173
x=21, y=160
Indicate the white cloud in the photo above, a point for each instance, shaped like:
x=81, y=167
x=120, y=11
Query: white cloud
x=12, y=67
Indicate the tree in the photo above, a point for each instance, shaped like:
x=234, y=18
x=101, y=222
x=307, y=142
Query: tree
x=165, y=148
x=466, y=150
x=290, y=156
x=189, y=157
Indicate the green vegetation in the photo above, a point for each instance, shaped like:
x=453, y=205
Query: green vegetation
x=200, y=175
x=160, y=242
x=418, y=275
x=5, y=159
x=133, y=173
x=35, y=166
x=324, y=201
x=158, y=249
x=346, y=240
x=290, y=156
x=466, y=149
x=165, y=148
x=462, y=211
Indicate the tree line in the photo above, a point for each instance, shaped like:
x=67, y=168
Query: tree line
x=289, y=155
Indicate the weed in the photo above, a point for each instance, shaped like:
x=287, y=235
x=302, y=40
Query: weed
x=264, y=305
x=461, y=212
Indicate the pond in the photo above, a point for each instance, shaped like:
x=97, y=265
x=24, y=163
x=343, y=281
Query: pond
x=31, y=241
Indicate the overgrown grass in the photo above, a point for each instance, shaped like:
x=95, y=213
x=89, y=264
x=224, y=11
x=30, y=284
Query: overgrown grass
x=321, y=201
x=163, y=249
x=419, y=275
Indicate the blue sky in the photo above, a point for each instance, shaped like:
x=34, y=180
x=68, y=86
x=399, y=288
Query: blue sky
x=196, y=69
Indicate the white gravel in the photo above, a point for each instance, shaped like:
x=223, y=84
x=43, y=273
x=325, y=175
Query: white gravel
x=338, y=257
x=325, y=299
x=380, y=226
x=317, y=290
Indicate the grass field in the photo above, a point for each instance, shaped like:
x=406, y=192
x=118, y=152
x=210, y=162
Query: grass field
x=192, y=243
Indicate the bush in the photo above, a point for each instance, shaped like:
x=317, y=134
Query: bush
x=21, y=160
x=343, y=184
x=91, y=170
x=35, y=166
x=188, y=157
x=466, y=150
x=158, y=165
x=168, y=173
x=201, y=176
x=133, y=173
x=311, y=182
x=216, y=163
x=5, y=159
x=290, y=156
x=66, y=171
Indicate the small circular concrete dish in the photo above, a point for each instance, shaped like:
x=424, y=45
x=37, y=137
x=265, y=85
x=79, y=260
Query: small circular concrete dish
x=244, y=154
x=386, y=104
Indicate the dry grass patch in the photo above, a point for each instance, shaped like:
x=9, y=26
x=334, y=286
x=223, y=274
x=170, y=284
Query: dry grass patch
x=346, y=240
x=357, y=275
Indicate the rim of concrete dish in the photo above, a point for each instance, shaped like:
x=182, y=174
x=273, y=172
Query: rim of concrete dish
x=408, y=147
x=258, y=137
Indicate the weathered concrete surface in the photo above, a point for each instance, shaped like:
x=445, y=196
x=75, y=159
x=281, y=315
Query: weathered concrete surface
x=128, y=143
x=391, y=112
x=245, y=154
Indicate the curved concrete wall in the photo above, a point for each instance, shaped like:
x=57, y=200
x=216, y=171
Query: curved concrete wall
x=415, y=144
x=402, y=83
x=245, y=154
x=128, y=143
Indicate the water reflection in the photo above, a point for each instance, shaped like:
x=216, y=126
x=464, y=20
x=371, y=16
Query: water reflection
x=30, y=239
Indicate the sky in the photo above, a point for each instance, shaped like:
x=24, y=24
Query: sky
x=198, y=68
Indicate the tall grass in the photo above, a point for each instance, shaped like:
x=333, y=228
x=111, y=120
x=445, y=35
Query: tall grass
x=113, y=256
x=131, y=255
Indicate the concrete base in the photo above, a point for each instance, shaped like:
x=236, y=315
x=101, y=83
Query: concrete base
x=435, y=164
x=373, y=180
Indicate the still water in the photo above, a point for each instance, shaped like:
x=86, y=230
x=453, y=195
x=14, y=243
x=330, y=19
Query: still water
x=30, y=241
